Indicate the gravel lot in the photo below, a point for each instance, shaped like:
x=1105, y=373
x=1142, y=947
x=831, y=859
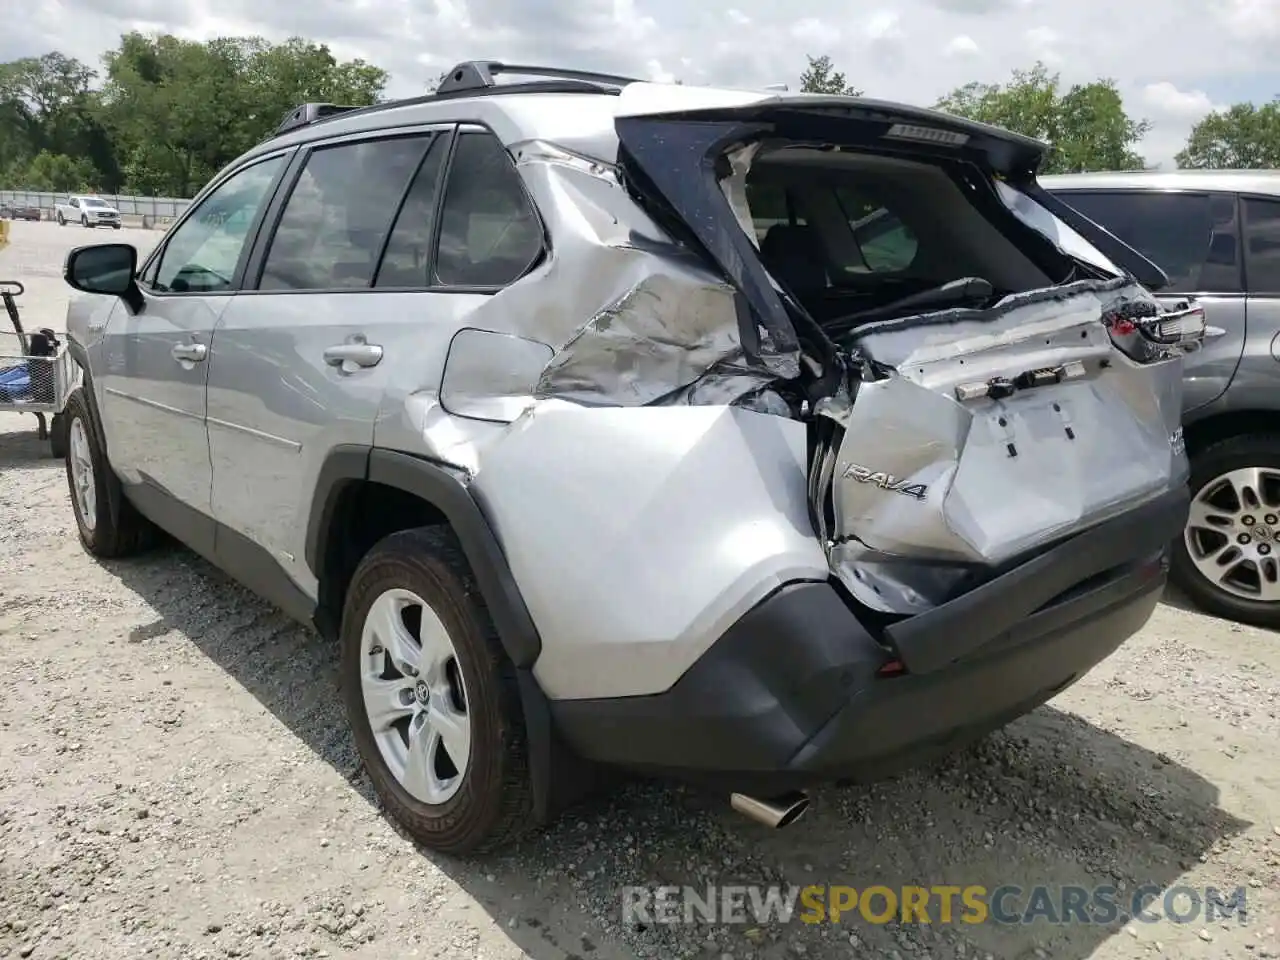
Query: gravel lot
x=177, y=781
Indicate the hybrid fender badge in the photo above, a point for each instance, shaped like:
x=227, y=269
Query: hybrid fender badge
x=885, y=481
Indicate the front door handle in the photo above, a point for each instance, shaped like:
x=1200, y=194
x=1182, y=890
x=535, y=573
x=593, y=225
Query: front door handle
x=349, y=356
x=194, y=352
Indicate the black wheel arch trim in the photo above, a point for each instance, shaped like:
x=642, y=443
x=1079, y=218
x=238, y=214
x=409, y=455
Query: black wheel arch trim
x=445, y=489
x=559, y=776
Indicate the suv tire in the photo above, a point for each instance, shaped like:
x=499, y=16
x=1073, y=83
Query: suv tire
x=413, y=594
x=1211, y=470
x=61, y=220
x=109, y=524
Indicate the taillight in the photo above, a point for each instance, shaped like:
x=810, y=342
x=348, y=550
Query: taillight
x=892, y=668
x=1140, y=327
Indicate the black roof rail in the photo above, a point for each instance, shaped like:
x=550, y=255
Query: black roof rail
x=470, y=78
x=306, y=114
x=479, y=74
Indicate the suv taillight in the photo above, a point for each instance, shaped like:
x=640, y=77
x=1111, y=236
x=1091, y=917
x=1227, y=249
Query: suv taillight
x=1141, y=327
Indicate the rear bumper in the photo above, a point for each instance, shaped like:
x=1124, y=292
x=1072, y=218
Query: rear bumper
x=792, y=695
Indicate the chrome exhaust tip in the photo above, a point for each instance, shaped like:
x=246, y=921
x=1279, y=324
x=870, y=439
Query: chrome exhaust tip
x=776, y=812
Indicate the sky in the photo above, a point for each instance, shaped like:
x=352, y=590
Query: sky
x=1173, y=60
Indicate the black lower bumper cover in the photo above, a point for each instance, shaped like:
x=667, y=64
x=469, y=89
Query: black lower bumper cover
x=791, y=694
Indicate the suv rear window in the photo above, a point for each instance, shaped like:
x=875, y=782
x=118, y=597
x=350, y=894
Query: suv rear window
x=1191, y=236
x=851, y=232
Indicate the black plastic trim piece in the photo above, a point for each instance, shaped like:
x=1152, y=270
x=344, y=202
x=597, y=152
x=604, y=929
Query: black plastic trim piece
x=955, y=630
x=750, y=703
x=196, y=531
x=444, y=489
x=441, y=487
x=345, y=464
x=477, y=75
x=791, y=696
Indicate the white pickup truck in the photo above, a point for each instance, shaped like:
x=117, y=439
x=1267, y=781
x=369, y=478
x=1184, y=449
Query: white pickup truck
x=89, y=211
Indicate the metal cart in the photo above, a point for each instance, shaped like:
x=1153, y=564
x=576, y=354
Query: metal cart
x=35, y=371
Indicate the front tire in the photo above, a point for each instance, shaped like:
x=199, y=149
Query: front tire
x=61, y=220
x=1228, y=559
x=84, y=222
x=109, y=525
x=431, y=696
x=58, y=436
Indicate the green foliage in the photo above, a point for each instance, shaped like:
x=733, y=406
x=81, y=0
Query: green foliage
x=167, y=113
x=1244, y=137
x=821, y=76
x=1086, y=124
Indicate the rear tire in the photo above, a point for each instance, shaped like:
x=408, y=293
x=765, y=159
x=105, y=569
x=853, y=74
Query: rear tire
x=416, y=636
x=1228, y=596
x=109, y=525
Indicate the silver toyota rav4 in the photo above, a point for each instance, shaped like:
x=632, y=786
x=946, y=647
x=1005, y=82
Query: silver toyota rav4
x=754, y=439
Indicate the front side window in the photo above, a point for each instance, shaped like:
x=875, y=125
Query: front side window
x=337, y=217
x=489, y=233
x=1190, y=236
x=202, y=252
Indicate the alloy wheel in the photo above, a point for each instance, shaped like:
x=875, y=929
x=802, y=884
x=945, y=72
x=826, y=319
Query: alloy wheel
x=414, y=696
x=1233, y=533
x=83, y=482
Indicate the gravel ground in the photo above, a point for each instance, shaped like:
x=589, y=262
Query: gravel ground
x=178, y=782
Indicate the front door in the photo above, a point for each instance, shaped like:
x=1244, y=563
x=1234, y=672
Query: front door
x=152, y=388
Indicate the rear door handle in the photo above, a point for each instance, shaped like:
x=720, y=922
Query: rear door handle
x=349, y=356
x=195, y=352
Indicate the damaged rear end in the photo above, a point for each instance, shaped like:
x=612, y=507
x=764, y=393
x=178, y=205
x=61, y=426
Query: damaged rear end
x=981, y=383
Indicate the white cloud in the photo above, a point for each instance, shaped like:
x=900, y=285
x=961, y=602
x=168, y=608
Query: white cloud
x=1167, y=56
x=962, y=45
x=1251, y=20
x=1042, y=43
x=885, y=25
x=810, y=30
x=1166, y=99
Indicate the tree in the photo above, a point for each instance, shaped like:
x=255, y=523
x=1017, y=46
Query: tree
x=821, y=76
x=180, y=110
x=46, y=106
x=1244, y=137
x=1086, y=125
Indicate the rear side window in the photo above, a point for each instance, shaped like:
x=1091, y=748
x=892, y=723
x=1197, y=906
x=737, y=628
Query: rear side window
x=489, y=233
x=339, y=213
x=1262, y=245
x=1190, y=236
